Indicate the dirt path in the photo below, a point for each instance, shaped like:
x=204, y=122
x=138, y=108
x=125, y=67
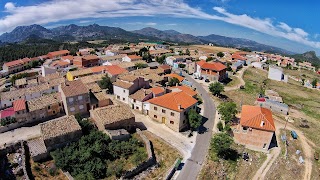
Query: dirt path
x=306, y=148
x=240, y=77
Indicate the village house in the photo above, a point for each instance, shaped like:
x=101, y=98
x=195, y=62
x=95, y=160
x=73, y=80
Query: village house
x=256, y=129
x=113, y=117
x=214, y=71
x=100, y=99
x=86, y=61
x=185, y=89
x=7, y=98
x=60, y=64
x=108, y=60
x=136, y=99
x=170, y=76
x=166, y=69
x=16, y=66
x=20, y=110
x=276, y=73
x=129, y=66
x=131, y=58
x=44, y=107
x=172, y=60
x=127, y=85
x=72, y=75
x=273, y=105
x=158, y=52
x=307, y=65
x=58, y=54
x=171, y=109
x=75, y=97
x=7, y=113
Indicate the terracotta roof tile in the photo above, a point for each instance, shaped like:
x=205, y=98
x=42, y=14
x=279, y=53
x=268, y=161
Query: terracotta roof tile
x=74, y=88
x=257, y=117
x=58, y=53
x=134, y=57
x=157, y=90
x=115, y=70
x=43, y=101
x=19, y=105
x=216, y=66
x=14, y=63
x=122, y=84
x=173, y=100
x=58, y=127
x=175, y=76
x=165, y=67
x=141, y=94
x=185, y=89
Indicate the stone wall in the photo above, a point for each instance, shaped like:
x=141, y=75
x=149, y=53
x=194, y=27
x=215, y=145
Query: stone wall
x=151, y=161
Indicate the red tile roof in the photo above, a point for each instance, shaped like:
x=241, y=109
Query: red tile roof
x=58, y=53
x=238, y=57
x=174, y=100
x=70, y=57
x=134, y=57
x=60, y=63
x=257, y=117
x=97, y=69
x=19, y=105
x=157, y=90
x=165, y=67
x=186, y=89
x=175, y=76
x=7, y=113
x=216, y=66
x=14, y=63
x=115, y=70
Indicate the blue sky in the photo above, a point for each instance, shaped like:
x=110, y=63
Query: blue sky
x=289, y=24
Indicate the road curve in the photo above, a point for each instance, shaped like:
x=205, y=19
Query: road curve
x=193, y=165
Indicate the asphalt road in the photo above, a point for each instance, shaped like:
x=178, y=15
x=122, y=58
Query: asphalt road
x=193, y=165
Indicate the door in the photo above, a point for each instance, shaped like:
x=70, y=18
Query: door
x=163, y=120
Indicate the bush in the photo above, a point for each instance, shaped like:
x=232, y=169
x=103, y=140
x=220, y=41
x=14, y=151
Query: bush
x=220, y=126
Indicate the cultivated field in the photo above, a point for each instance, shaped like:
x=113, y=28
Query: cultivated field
x=213, y=49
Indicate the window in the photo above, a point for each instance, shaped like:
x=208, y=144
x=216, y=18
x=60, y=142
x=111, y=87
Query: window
x=155, y=116
x=17, y=112
x=118, y=97
x=172, y=114
x=70, y=99
x=59, y=104
x=264, y=146
x=52, y=88
x=81, y=107
x=155, y=108
x=171, y=122
x=54, y=112
x=79, y=97
x=137, y=107
x=72, y=109
x=49, y=107
x=123, y=99
x=163, y=111
x=124, y=90
x=134, y=100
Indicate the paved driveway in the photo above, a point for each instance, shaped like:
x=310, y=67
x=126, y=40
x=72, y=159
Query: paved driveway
x=23, y=133
x=193, y=165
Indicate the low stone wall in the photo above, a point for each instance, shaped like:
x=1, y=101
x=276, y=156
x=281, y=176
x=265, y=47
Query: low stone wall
x=12, y=148
x=28, y=123
x=151, y=161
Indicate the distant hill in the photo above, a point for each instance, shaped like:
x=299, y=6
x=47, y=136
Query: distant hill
x=74, y=32
x=169, y=35
x=241, y=43
x=309, y=56
x=71, y=33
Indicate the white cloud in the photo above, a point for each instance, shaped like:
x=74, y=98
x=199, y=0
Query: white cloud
x=55, y=11
x=9, y=6
x=171, y=24
x=143, y=23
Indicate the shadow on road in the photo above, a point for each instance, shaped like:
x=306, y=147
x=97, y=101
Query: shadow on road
x=141, y=126
x=203, y=129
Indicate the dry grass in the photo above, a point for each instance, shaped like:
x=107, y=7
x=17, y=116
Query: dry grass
x=235, y=81
x=41, y=171
x=213, y=49
x=287, y=168
x=240, y=169
x=302, y=74
x=166, y=156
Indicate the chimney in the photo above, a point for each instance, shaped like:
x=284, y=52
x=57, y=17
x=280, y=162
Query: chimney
x=179, y=106
x=262, y=123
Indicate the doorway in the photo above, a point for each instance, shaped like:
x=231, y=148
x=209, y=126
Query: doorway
x=163, y=120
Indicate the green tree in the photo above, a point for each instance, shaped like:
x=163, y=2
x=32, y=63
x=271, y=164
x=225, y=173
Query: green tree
x=106, y=83
x=216, y=88
x=141, y=65
x=314, y=83
x=209, y=59
x=188, y=52
x=173, y=81
x=228, y=110
x=161, y=59
x=221, y=144
x=182, y=65
x=220, y=54
x=194, y=119
x=220, y=126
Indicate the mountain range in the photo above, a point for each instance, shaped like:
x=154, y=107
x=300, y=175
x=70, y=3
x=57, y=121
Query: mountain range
x=309, y=56
x=74, y=32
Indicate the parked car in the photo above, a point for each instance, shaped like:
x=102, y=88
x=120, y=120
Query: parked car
x=207, y=80
x=294, y=135
x=200, y=78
